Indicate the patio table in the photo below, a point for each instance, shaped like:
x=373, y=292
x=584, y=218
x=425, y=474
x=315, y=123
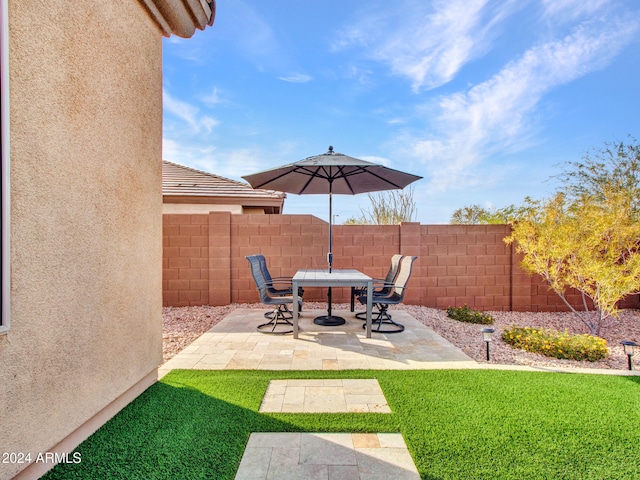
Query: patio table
x=335, y=278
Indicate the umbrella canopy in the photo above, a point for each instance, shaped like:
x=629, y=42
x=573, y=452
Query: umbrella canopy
x=331, y=172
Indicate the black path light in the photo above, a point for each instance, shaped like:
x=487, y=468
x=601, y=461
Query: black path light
x=629, y=350
x=486, y=336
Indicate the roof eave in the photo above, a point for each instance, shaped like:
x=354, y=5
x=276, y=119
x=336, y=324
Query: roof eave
x=205, y=197
x=181, y=17
x=220, y=200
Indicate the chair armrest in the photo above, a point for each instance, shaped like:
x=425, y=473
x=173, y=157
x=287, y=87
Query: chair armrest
x=363, y=298
x=285, y=287
x=377, y=283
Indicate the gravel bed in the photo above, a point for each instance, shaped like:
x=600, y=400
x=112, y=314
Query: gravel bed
x=182, y=325
x=467, y=336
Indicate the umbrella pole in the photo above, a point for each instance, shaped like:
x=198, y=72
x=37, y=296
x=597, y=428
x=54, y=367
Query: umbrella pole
x=329, y=319
x=330, y=253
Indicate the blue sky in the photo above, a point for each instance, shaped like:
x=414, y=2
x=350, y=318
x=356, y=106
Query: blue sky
x=484, y=99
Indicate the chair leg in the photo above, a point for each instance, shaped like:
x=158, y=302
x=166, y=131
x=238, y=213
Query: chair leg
x=383, y=317
x=279, y=317
x=363, y=315
x=286, y=313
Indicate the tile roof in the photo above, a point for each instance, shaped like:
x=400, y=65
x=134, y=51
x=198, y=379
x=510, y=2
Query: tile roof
x=181, y=17
x=181, y=181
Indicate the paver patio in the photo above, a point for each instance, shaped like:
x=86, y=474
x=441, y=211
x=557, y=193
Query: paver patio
x=234, y=344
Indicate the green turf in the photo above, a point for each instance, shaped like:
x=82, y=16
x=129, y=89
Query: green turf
x=458, y=424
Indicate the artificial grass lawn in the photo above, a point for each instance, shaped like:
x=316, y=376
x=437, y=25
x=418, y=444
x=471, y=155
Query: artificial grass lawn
x=458, y=424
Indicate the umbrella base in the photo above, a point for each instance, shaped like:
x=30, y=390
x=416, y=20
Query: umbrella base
x=329, y=321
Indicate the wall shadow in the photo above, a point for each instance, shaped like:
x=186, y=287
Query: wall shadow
x=180, y=428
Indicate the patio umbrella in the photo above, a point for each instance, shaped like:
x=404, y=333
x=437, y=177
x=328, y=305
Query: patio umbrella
x=331, y=173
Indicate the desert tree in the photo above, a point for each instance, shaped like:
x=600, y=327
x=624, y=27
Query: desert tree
x=477, y=215
x=612, y=168
x=469, y=215
x=587, y=236
x=387, y=208
x=584, y=241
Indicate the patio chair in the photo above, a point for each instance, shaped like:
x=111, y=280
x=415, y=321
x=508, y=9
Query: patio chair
x=382, y=286
x=278, y=286
x=280, y=314
x=394, y=297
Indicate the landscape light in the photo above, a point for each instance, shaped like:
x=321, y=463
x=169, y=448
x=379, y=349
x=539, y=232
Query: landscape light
x=629, y=350
x=486, y=336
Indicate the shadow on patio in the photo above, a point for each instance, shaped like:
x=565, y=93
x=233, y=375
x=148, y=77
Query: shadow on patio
x=234, y=344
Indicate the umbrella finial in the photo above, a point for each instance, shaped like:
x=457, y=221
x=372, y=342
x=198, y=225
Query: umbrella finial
x=330, y=152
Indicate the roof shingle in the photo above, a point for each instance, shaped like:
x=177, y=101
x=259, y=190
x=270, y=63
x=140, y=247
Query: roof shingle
x=179, y=180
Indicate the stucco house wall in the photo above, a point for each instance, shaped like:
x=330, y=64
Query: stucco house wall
x=194, y=208
x=86, y=218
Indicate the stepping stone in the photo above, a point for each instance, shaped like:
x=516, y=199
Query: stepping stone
x=324, y=396
x=332, y=456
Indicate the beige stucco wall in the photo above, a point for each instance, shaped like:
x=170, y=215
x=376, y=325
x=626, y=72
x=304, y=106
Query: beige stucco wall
x=193, y=208
x=86, y=203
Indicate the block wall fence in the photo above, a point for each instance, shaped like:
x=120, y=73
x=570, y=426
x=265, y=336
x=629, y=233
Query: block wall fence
x=204, y=260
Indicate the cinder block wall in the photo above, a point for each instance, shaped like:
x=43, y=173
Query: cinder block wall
x=466, y=264
x=289, y=242
x=185, y=259
x=204, y=260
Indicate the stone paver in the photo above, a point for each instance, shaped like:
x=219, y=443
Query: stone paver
x=324, y=396
x=329, y=456
x=234, y=344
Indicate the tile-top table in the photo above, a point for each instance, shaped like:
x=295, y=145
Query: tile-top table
x=337, y=278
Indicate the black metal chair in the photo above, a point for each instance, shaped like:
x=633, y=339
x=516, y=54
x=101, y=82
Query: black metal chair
x=381, y=286
x=280, y=315
x=283, y=282
x=394, y=297
x=276, y=286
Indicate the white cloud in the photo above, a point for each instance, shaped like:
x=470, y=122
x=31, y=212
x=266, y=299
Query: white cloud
x=242, y=161
x=571, y=9
x=212, y=98
x=497, y=115
x=359, y=73
x=428, y=43
x=375, y=159
x=297, y=78
x=184, y=152
x=188, y=113
x=180, y=109
x=209, y=123
x=226, y=163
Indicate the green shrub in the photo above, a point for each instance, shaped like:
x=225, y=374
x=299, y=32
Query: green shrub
x=556, y=344
x=466, y=314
